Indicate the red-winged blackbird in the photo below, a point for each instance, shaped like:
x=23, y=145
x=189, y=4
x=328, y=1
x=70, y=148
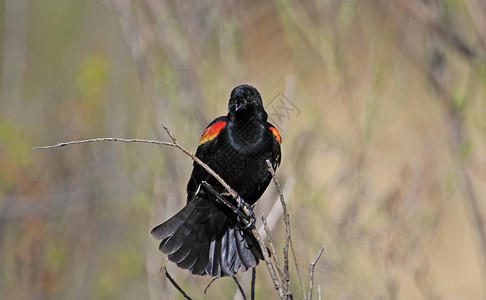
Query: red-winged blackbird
x=206, y=237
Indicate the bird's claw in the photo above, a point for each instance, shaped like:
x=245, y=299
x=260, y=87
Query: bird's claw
x=240, y=202
x=250, y=218
x=251, y=221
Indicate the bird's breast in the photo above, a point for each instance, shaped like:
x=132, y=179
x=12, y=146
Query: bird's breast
x=250, y=139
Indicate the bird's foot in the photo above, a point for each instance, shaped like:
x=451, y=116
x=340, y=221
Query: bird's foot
x=247, y=210
x=250, y=221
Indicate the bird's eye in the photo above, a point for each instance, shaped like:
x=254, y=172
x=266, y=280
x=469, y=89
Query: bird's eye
x=248, y=97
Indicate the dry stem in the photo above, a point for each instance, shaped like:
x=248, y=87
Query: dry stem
x=311, y=273
x=288, y=240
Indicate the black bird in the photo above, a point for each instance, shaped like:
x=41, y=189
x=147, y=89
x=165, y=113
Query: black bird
x=206, y=237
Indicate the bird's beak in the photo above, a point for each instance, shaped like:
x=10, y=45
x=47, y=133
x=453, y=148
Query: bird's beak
x=240, y=104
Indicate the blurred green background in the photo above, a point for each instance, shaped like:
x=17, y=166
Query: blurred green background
x=381, y=106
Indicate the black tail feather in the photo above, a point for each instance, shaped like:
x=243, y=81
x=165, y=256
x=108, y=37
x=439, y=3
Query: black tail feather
x=205, y=239
x=241, y=246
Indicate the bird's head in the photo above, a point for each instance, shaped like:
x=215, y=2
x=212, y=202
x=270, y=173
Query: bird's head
x=245, y=101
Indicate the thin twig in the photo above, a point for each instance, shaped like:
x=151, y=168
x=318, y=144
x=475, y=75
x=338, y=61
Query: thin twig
x=271, y=219
x=201, y=163
x=176, y=285
x=268, y=262
x=286, y=218
x=160, y=271
x=108, y=139
x=299, y=274
x=174, y=143
x=311, y=273
x=272, y=248
x=239, y=287
x=275, y=212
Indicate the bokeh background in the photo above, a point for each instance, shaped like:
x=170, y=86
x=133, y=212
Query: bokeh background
x=381, y=106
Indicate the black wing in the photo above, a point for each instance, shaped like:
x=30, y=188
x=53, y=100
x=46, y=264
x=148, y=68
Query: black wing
x=204, y=152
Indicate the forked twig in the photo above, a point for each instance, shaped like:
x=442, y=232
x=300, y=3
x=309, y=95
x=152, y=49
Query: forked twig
x=311, y=273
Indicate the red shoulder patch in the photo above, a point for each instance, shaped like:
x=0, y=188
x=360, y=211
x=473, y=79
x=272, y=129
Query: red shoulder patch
x=277, y=134
x=211, y=132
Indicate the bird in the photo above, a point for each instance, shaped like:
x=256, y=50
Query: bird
x=205, y=236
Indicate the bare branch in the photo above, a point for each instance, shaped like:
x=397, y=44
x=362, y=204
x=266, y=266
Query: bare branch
x=275, y=212
x=268, y=262
x=172, y=137
x=286, y=218
x=173, y=144
x=299, y=274
x=201, y=163
x=272, y=248
x=108, y=139
x=271, y=219
x=311, y=273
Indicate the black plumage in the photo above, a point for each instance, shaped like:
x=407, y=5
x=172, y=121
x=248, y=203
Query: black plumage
x=206, y=237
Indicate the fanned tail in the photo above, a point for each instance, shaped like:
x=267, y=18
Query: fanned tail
x=204, y=238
